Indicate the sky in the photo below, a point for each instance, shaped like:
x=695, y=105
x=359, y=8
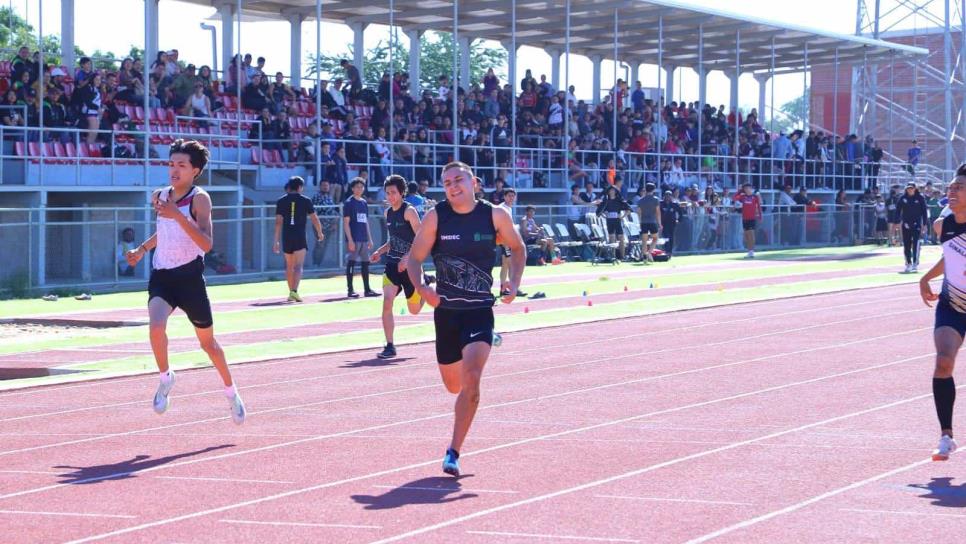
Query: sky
x=179, y=28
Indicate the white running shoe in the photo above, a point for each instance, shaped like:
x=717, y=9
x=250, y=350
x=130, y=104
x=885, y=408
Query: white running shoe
x=237, y=409
x=161, y=401
x=947, y=445
x=908, y=269
x=915, y=268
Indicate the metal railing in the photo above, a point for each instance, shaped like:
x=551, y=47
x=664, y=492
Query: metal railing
x=81, y=247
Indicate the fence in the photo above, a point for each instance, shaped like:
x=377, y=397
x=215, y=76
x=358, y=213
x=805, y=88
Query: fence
x=81, y=247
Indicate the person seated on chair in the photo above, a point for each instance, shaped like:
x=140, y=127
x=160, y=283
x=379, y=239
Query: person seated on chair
x=126, y=244
x=614, y=209
x=533, y=234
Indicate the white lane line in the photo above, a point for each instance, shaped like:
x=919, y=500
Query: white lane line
x=447, y=489
x=651, y=468
x=67, y=514
x=669, y=499
x=902, y=513
x=524, y=441
x=300, y=524
x=551, y=537
x=30, y=472
x=233, y=480
x=490, y=407
x=802, y=504
x=288, y=359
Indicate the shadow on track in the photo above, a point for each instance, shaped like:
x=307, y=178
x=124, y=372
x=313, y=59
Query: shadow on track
x=125, y=469
x=434, y=490
x=943, y=493
x=375, y=361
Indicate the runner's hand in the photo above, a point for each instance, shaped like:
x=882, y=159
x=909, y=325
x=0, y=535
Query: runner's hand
x=276, y=248
x=925, y=291
x=403, y=264
x=369, y=244
x=133, y=257
x=167, y=209
x=374, y=258
x=352, y=246
x=508, y=292
x=429, y=294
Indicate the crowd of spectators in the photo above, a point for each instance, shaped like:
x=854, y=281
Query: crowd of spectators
x=391, y=126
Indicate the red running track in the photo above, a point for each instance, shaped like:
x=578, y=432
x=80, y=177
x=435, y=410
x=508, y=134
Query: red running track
x=806, y=420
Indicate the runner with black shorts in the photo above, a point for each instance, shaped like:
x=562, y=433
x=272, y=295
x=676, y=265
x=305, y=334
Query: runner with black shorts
x=614, y=208
x=402, y=222
x=462, y=234
x=183, y=236
x=291, y=214
x=950, y=324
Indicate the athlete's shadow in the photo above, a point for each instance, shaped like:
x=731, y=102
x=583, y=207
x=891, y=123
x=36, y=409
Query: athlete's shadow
x=125, y=469
x=435, y=490
x=375, y=361
x=274, y=303
x=943, y=493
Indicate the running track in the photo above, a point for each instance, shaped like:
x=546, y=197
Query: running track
x=805, y=420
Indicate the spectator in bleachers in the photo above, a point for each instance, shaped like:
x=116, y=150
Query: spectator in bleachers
x=198, y=105
x=337, y=172
x=355, y=79
x=182, y=86
x=280, y=91
x=126, y=244
x=22, y=86
x=533, y=234
x=496, y=197
x=171, y=66
x=261, y=130
x=328, y=214
x=88, y=102
x=253, y=98
x=12, y=113
x=21, y=63
x=55, y=117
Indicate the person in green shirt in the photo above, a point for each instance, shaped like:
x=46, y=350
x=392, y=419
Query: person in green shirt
x=935, y=208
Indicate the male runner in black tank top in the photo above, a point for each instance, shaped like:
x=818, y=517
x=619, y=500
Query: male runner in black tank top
x=402, y=222
x=462, y=234
x=292, y=212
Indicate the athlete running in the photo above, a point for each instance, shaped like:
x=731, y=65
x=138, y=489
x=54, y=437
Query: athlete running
x=402, y=222
x=462, y=234
x=183, y=236
x=291, y=214
x=950, y=324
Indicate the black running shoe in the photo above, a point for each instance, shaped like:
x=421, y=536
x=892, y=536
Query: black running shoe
x=429, y=279
x=370, y=293
x=388, y=353
x=352, y=294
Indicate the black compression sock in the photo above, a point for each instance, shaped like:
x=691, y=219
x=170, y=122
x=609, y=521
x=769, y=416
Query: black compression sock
x=365, y=276
x=349, y=271
x=944, y=395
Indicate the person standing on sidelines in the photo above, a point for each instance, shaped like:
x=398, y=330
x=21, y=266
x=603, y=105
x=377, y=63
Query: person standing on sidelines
x=750, y=204
x=292, y=212
x=671, y=213
x=402, y=223
x=913, y=214
x=650, y=209
x=950, y=324
x=183, y=237
x=355, y=222
x=462, y=233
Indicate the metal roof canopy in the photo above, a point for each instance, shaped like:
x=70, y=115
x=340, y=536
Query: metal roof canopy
x=541, y=24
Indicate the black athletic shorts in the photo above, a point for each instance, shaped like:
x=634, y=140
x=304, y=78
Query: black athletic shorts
x=293, y=241
x=614, y=227
x=184, y=287
x=649, y=228
x=505, y=251
x=456, y=329
x=400, y=279
x=751, y=224
x=947, y=316
x=880, y=224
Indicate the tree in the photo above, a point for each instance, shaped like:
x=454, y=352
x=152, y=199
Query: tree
x=436, y=59
x=789, y=116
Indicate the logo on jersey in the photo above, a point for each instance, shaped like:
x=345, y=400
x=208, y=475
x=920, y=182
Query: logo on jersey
x=446, y=237
x=482, y=237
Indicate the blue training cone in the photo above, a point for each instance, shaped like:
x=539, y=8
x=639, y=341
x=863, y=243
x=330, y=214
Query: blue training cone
x=402, y=311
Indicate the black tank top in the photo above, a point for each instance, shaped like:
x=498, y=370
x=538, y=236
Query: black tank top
x=401, y=233
x=953, y=240
x=463, y=255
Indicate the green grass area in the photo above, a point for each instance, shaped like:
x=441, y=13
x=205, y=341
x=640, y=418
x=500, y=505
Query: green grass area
x=679, y=273
x=601, y=281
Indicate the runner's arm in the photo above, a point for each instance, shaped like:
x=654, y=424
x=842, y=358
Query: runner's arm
x=508, y=237
x=422, y=245
x=200, y=232
x=319, y=233
x=278, y=229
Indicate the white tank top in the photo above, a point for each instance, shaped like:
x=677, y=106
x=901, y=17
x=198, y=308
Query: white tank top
x=198, y=103
x=175, y=248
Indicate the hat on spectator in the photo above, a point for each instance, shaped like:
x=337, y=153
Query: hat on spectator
x=57, y=72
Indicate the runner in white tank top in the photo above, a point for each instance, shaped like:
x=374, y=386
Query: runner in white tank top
x=950, y=324
x=184, y=235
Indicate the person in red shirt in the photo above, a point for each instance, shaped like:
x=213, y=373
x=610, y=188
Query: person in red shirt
x=750, y=205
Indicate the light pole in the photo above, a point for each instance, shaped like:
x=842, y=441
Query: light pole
x=214, y=45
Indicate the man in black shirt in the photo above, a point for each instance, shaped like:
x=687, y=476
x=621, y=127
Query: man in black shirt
x=913, y=214
x=462, y=234
x=671, y=213
x=291, y=214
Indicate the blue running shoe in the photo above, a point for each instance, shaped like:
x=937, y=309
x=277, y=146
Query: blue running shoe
x=451, y=464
